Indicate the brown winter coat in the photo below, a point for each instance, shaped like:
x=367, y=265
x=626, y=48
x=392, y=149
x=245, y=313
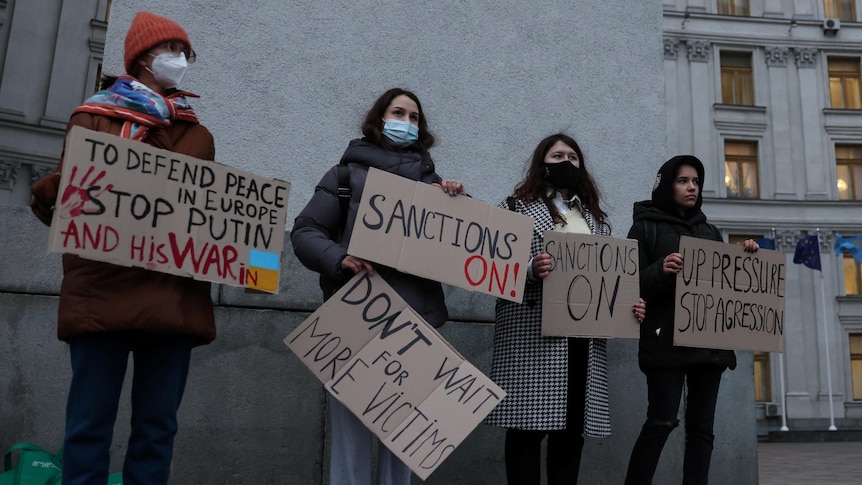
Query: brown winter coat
x=97, y=296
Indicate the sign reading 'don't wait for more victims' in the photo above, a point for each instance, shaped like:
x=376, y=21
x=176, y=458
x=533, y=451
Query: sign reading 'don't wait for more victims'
x=131, y=204
x=416, y=228
x=401, y=378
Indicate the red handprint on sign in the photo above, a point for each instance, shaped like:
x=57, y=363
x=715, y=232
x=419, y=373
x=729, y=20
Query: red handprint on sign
x=76, y=197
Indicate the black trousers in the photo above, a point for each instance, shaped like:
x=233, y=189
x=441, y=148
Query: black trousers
x=563, y=452
x=664, y=388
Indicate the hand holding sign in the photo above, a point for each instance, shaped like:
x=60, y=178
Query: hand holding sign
x=77, y=195
x=672, y=264
x=640, y=310
x=452, y=187
x=542, y=265
x=356, y=265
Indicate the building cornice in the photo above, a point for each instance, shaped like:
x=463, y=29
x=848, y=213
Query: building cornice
x=748, y=31
x=786, y=215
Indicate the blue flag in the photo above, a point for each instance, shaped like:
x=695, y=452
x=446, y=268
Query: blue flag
x=850, y=245
x=766, y=243
x=808, y=252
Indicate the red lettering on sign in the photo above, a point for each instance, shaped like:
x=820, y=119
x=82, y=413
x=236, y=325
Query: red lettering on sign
x=101, y=238
x=496, y=279
x=205, y=257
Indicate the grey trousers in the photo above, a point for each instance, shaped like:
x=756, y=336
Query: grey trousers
x=352, y=445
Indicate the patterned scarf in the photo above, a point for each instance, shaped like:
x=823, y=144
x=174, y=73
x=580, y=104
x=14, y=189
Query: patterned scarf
x=141, y=107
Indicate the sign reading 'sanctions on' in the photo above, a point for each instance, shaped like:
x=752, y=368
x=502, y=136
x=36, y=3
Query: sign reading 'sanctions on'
x=727, y=298
x=416, y=228
x=131, y=204
x=592, y=287
x=404, y=382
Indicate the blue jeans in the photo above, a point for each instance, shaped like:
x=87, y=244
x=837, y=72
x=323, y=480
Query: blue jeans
x=350, y=459
x=664, y=388
x=99, y=361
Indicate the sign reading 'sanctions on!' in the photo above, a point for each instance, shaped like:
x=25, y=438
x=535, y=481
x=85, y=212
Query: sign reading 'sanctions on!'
x=418, y=229
x=404, y=382
x=131, y=204
x=727, y=298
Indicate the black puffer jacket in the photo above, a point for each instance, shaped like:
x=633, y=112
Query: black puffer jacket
x=320, y=244
x=656, y=349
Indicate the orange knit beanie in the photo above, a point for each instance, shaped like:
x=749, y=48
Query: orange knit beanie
x=148, y=30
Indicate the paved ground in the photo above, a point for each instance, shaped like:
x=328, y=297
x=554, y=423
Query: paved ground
x=831, y=463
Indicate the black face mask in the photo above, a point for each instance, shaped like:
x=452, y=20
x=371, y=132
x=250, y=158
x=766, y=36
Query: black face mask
x=563, y=175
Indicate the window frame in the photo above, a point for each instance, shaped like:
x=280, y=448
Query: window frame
x=737, y=75
x=762, y=377
x=732, y=7
x=841, y=77
x=849, y=264
x=855, y=358
x=740, y=161
x=832, y=9
x=854, y=174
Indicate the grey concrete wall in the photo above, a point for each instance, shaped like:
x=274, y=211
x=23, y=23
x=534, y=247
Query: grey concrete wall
x=252, y=413
x=284, y=86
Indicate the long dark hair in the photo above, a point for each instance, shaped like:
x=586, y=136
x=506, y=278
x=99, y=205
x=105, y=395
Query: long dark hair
x=534, y=187
x=372, y=126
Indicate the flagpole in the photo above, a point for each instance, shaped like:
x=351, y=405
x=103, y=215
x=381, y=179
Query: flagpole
x=781, y=373
x=826, y=341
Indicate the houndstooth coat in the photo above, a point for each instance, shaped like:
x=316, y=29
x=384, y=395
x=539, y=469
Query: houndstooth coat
x=532, y=369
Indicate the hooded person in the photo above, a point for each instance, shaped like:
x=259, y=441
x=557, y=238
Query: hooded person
x=658, y=225
x=673, y=211
x=107, y=311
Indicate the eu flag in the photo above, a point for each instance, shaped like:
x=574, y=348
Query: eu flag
x=766, y=243
x=808, y=252
x=849, y=245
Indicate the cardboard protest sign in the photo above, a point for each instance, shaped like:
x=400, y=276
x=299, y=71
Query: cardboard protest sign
x=418, y=229
x=729, y=299
x=131, y=204
x=592, y=287
x=378, y=357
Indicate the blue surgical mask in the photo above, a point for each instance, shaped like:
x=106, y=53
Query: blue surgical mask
x=401, y=133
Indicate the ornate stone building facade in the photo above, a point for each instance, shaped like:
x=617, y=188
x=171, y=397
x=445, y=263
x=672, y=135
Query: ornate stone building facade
x=37, y=97
x=766, y=93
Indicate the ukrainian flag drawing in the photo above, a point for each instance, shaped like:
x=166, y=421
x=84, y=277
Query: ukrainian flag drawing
x=263, y=269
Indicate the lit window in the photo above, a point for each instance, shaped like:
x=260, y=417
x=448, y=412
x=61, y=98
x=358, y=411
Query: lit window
x=737, y=83
x=852, y=276
x=844, y=83
x=740, y=169
x=840, y=9
x=856, y=364
x=848, y=169
x=733, y=7
x=762, y=384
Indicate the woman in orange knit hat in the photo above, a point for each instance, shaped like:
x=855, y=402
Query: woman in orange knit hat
x=106, y=311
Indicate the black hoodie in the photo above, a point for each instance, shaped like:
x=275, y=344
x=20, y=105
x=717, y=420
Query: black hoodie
x=658, y=226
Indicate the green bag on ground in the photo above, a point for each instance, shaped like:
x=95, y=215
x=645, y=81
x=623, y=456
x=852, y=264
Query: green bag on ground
x=35, y=466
